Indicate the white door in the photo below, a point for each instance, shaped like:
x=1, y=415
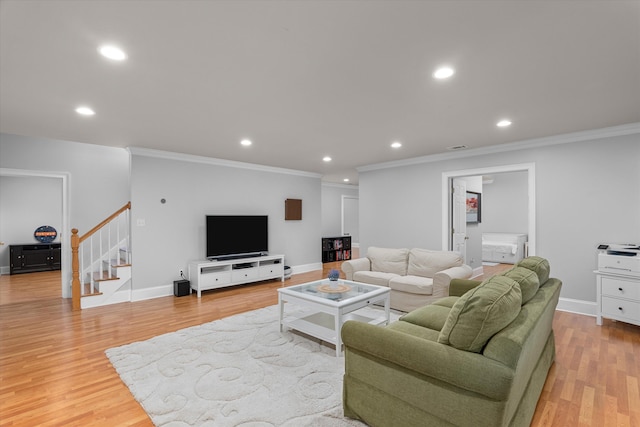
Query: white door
x=459, y=218
x=350, y=215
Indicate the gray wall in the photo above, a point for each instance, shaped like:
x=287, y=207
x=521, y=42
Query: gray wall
x=174, y=232
x=26, y=203
x=587, y=192
x=99, y=176
x=505, y=204
x=332, y=208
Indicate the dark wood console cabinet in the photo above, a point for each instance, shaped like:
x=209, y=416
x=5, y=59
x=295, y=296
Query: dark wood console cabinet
x=34, y=257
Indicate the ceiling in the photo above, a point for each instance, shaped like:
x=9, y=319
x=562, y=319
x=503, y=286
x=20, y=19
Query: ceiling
x=308, y=79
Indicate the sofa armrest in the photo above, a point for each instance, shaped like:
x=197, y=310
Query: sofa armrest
x=358, y=264
x=469, y=371
x=442, y=279
x=459, y=287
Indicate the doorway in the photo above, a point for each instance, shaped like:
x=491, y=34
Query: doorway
x=64, y=234
x=350, y=219
x=447, y=200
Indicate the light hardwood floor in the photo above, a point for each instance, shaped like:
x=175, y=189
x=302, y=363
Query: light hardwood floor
x=53, y=370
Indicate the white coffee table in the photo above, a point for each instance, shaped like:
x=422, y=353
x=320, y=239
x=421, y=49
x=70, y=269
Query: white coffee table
x=329, y=306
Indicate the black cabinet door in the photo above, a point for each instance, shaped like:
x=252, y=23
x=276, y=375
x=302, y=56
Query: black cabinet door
x=15, y=258
x=54, y=259
x=36, y=258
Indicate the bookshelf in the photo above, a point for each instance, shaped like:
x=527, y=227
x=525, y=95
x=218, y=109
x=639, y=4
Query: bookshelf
x=336, y=248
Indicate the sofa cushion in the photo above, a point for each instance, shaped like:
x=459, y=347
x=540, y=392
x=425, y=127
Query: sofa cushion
x=446, y=301
x=415, y=330
x=426, y=263
x=373, y=277
x=430, y=316
x=388, y=260
x=412, y=284
x=537, y=264
x=527, y=279
x=481, y=313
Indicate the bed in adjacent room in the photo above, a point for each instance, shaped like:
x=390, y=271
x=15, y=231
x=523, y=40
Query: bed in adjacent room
x=507, y=248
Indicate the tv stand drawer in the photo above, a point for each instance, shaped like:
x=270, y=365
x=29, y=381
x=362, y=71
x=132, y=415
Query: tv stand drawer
x=215, y=280
x=244, y=274
x=271, y=270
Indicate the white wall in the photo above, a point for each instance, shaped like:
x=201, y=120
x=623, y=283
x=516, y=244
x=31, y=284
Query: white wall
x=587, y=192
x=174, y=232
x=332, y=208
x=26, y=203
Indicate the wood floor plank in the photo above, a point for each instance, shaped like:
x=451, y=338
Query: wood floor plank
x=53, y=370
x=586, y=406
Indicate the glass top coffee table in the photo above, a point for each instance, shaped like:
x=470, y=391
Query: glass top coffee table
x=329, y=305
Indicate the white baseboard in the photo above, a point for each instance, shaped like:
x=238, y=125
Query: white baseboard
x=587, y=308
x=5, y=270
x=478, y=271
x=150, y=293
x=305, y=268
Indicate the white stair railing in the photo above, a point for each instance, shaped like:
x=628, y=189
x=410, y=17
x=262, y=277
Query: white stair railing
x=94, y=255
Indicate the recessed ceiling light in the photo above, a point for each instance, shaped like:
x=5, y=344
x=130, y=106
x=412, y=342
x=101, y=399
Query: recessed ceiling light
x=504, y=123
x=112, y=52
x=246, y=142
x=326, y=158
x=85, y=111
x=396, y=144
x=346, y=180
x=443, y=73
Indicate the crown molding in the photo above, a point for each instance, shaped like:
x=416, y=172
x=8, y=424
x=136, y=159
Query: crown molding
x=337, y=185
x=628, y=129
x=169, y=155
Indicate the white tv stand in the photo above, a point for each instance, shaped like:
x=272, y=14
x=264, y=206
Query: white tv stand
x=205, y=275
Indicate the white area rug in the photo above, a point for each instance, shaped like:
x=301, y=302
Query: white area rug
x=237, y=371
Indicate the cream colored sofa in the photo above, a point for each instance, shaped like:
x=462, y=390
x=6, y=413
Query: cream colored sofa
x=416, y=277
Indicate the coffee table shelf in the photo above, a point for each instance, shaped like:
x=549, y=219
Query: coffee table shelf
x=327, y=312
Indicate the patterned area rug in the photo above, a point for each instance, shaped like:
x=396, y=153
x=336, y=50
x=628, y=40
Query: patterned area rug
x=237, y=371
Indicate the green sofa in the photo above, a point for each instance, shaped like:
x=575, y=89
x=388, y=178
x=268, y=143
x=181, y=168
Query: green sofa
x=478, y=358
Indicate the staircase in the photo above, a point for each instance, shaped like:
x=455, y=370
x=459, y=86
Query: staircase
x=101, y=262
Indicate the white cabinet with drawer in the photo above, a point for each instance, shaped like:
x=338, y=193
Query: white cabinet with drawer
x=618, y=297
x=205, y=275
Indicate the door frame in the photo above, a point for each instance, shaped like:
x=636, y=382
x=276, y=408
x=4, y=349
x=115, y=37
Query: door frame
x=65, y=233
x=447, y=178
x=458, y=223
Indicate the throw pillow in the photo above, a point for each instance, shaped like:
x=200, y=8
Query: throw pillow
x=481, y=313
x=426, y=263
x=537, y=264
x=527, y=279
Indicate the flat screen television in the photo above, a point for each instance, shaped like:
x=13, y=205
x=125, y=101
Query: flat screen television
x=236, y=236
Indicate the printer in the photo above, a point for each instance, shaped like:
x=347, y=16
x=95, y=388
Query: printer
x=623, y=259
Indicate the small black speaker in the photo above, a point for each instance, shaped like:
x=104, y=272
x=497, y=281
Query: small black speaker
x=181, y=288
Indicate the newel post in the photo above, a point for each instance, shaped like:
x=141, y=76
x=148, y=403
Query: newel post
x=75, y=270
